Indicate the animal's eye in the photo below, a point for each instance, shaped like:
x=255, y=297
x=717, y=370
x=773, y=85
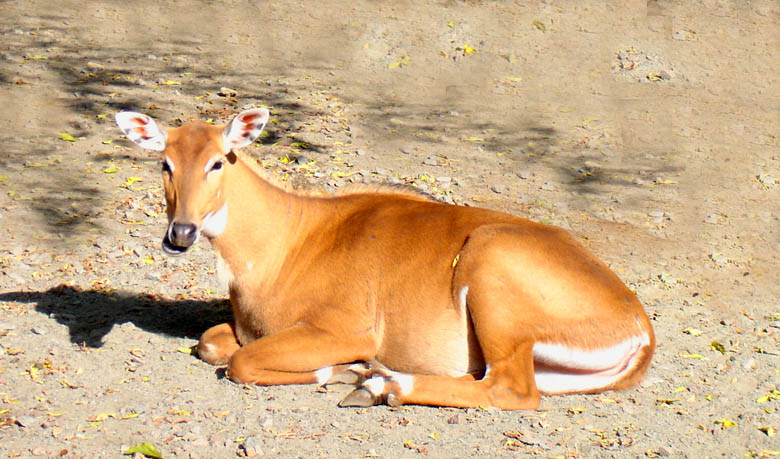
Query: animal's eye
x=166, y=167
x=217, y=166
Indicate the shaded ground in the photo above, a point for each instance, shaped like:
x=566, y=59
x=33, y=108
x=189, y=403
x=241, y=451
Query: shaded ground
x=649, y=130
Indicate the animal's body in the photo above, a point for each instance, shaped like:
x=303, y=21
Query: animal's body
x=451, y=305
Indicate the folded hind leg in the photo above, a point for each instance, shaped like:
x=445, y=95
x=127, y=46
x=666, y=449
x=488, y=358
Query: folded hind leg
x=508, y=385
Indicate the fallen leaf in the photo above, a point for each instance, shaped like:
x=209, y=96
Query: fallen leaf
x=466, y=49
x=170, y=83
x=111, y=169
x=716, y=346
x=67, y=137
x=147, y=449
x=404, y=61
x=538, y=25
x=130, y=181
x=185, y=350
x=768, y=430
x=693, y=356
x=667, y=401
x=725, y=423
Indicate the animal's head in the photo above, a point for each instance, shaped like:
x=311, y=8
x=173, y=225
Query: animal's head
x=196, y=159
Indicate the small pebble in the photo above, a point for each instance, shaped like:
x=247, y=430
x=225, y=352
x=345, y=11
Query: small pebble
x=430, y=161
x=547, y=186
x=498, y=188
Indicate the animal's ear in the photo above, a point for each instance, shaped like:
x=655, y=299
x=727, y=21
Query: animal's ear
x=244, y=128
x=142, y=130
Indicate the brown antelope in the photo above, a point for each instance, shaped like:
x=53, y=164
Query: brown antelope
x=412, y=300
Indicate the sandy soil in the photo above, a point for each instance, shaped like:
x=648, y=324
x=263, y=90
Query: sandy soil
x=650, y=130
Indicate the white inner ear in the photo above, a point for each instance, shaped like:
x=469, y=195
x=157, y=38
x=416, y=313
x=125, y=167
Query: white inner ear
x=142, y=130
x=244, y=128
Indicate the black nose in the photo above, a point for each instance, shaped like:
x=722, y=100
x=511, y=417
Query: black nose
x=183, y=234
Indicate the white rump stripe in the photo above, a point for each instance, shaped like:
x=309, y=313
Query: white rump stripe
x=577, y=370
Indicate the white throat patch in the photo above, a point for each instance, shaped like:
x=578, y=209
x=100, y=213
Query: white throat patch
x=214, y=223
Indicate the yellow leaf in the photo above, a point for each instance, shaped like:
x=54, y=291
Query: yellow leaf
x=514, y=79
x=147, y=449
x=716, y=346
x=111, y=169
x=667, y=401
x=538, y=25
x=693, y=356
x=692, y=331
x=130, y=416
x=2, y=412
x=130, y=181
x=681, y=389
x=475, y=139
x=725, y=423
x=665, y=182
x=170, y=83
x=434, y=435
x=37, y=57
x=466, y=49
x=404, y=61
x=102, y=417
x=185, y=350
x=54, y=415
x=67, y=137
x=451, y=24
x=147, y=260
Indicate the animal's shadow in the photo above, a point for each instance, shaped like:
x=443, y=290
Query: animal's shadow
x=91, y=314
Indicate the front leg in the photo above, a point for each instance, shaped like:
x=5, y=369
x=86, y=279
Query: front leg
x=218, y=344
x=302, y=354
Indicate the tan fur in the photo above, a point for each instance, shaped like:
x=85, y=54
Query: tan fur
x=378, y=274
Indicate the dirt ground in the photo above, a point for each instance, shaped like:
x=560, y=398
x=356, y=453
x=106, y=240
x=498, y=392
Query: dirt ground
x=649, y=130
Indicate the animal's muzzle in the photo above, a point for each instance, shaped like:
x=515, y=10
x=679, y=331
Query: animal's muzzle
x=179, y=238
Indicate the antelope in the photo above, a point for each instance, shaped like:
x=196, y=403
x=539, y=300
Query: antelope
x=411, y=300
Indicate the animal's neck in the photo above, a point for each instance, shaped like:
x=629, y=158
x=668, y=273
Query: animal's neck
x=262, y=220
